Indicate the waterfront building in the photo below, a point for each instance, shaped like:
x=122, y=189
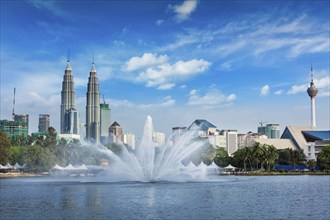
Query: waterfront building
x=307, y=139
x=105, y=122
x=312, y=92
x=130, y=140
x=116, y=133
x=93, y=108
x=158, y=138
x=43, y=123
x=203, y=127
x=272, y=131
x=69, y=123
x=279, y=144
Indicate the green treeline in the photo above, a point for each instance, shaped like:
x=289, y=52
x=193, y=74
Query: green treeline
x=41, y=153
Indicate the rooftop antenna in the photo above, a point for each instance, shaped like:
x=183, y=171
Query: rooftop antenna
x=13, y=114
x=103, y=99
x=262, y=123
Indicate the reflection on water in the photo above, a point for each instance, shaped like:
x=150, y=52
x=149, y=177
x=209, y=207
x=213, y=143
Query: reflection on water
x=280, y=197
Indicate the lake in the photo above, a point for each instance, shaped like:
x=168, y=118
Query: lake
x=225, y=197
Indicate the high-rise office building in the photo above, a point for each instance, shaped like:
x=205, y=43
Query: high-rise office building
x=43, y=123
x=105, y=122
x=69, y=115
x=93, y=108
x=272, y=131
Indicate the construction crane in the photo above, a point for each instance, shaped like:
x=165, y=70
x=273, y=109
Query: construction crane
x=13, y=114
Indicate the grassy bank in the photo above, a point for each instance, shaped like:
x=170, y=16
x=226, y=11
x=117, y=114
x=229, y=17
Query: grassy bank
x=274, y=173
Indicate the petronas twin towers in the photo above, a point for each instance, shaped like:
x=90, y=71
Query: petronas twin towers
x=69, y=115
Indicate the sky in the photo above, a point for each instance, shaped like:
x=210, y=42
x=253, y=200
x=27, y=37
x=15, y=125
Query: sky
x=233, y=63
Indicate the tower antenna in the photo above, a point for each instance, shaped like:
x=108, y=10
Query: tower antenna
x=68, y=55
x=311, y=71
x=13, y=114
x=103, y=99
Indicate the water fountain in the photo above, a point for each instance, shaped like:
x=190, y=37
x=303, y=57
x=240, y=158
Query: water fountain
x=149, y=163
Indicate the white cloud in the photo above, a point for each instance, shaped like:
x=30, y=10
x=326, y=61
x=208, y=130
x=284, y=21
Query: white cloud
x=297, y=89
x=231, y=98
x=184, y=10
x=159, y=22
x=264, y=90
x=168, y=101
x=48, y=5
x=166, y=86
x=279, y=92
x=156, y=71
x=323, y=85
x=147, y=60
x=183, y=86
x=212, y=98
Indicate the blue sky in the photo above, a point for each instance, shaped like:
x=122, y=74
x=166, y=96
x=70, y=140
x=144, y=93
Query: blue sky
x=234, y=63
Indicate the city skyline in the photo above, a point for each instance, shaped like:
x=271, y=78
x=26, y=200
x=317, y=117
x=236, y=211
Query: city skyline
x=233, y=63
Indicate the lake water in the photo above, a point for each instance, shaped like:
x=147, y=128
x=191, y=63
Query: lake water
x=226, y=197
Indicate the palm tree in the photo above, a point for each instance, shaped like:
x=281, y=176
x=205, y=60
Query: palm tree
x=257, y=154
x=271, y=156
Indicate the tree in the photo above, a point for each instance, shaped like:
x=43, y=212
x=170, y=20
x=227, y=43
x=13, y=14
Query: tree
x=258, y=154
x=295, y=157
x=38, y=158
x=311, y=165
x=221, y=157
x=51, y=138
x=5, y=152
x=323, y=158
x=271, y=156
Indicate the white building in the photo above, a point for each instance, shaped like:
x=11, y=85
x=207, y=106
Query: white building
x=130, y=140
x=158, y=138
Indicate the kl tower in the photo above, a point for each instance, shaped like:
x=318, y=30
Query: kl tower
x=312, y=92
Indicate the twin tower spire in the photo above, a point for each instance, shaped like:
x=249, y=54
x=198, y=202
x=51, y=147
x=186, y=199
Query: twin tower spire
x=69, y=115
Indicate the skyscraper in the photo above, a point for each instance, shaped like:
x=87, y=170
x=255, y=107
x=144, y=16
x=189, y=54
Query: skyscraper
x=105, y=122
x=312, y=92
x=93, y=108
x=43, y=123
x=68, y=104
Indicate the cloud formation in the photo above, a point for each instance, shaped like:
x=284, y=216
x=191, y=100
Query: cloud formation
x=147, y=60
x=156, y=71
x=322, y=84
x=264, y=90
x=212, y=98
x=184, y=10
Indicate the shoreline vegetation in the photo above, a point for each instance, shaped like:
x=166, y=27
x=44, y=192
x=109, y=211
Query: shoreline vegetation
x=243, y=173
